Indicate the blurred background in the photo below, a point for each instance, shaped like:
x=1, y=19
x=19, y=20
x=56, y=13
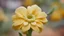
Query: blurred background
x=55, y=25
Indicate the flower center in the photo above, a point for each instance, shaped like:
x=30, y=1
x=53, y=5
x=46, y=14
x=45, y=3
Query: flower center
x=29, y=16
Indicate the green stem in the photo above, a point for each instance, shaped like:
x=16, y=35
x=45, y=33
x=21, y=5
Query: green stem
x=29, y=33
x=20, y=34
x=52, y=10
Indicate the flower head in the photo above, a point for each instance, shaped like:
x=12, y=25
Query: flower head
x=30, y=17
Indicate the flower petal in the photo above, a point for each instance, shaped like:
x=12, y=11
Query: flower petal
x=25, y=28
x=18, y=22
x=34, y=9
x=42, y=15
x=17, y=27
x=39, y=24
x=33, y=23
x=29, y=10
x=35, y=28
x=21, y=11
x=44, y=20
x=25, y=23
x=14, y=17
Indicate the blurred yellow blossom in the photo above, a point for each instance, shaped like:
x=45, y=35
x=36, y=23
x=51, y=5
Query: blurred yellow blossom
x=2, y=16
x=30, y=17
x=56, y=16
x=61, y=10
x=28, y=2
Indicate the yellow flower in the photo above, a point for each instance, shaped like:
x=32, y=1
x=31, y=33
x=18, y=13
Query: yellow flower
x=61, y=11
x=30, y=17
x=2, y=16
x=28, y=2
x=56, y=16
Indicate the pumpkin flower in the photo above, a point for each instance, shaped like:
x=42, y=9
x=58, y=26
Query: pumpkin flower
x=30, y=17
